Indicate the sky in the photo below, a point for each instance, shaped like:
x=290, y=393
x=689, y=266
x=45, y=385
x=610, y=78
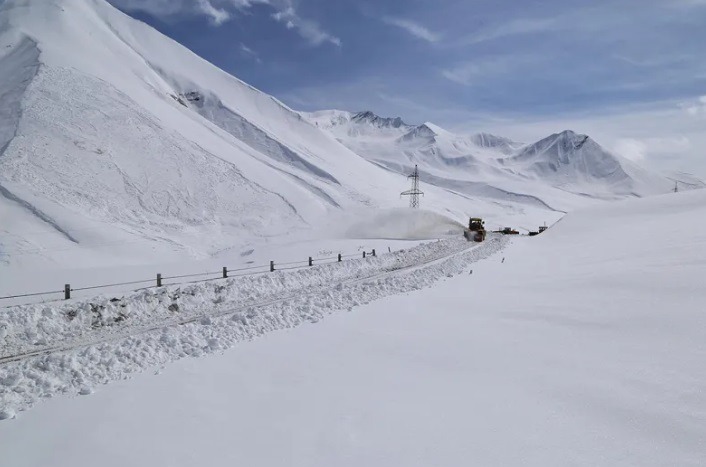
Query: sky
x=630, y=73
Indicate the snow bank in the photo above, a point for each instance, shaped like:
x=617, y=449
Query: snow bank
x=66, y=349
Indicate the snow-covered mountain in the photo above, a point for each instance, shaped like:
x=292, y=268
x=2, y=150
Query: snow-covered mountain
x=119, y=145
x=561, y=164
x=112, y=134
x=577, y=163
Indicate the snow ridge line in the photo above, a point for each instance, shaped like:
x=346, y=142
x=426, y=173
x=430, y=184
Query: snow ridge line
x=76, y=368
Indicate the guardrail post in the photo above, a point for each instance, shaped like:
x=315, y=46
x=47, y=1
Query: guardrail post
x=340, y=258
x=311, y=261
x=363, y=255
x=374, y=252
x=272, y=266
x=159, y=280
x=225, y=272
x=67, y=291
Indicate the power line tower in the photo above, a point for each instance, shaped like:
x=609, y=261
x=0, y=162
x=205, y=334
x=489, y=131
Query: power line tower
x=414, y=192
x=676, y=187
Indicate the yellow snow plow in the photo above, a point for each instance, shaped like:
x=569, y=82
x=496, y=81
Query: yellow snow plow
x=476, y=230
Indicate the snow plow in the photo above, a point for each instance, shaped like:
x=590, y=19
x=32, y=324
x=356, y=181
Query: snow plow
x=476, y=230
x=542, y=228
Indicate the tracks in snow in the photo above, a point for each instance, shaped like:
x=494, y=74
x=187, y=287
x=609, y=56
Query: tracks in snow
x=135, y=331
x=88, y=360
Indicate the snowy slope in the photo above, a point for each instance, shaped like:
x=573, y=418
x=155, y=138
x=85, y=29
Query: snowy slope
x=120, y=146
x=583, y=346
x=487, y=140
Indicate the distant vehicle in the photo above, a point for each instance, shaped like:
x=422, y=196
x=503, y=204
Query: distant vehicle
x=542, y=228
x=508, y=231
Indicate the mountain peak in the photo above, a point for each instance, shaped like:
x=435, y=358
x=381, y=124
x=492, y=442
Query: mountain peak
x=572, y=156
x=563, y=145
x=571, y=140
x=426, y=132
x=436, y=129
x=383, y=122
x=366, y=114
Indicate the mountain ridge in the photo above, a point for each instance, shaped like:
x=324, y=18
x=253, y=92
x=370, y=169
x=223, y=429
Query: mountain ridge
x=565, y=160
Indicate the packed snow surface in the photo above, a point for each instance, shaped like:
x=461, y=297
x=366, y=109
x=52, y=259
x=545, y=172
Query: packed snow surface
x=95, y=341
x=582, y=346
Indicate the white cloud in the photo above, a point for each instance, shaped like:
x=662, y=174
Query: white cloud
x=630, y=148
x=695, y=107
x=638, y=150
x=513, y=28
x=590, y=21
x=308, y=29
x=220, y=11
x=217, y=15
x=153, y=7
x=248, y=52
x=463, y=74
x=467, y=73
x=415, y=29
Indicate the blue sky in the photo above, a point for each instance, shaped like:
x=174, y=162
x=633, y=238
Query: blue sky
x=631, y=73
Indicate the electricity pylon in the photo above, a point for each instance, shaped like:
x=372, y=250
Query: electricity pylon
x=414, y=192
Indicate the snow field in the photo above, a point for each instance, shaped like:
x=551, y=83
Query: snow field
x=69, y=349
x=348, y=233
